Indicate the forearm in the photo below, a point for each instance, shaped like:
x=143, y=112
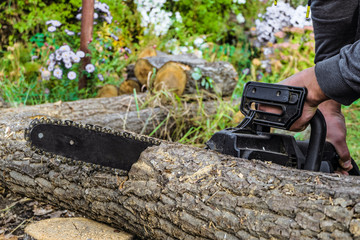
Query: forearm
x=339, y=76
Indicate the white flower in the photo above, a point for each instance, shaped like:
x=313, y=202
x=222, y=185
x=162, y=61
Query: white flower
x=108, y=19
x=52, y=56
x=90, y=68
x=58, y=57
x=45, y=75
x=178, y=17
x=198, y=42
x=96, y=16
x=101, y=77
x=71, y=75
x=240, y=18
x=65, y=48
x=58, y=73
x=51, y=67
x=51, y=29
x=75, y=58
x=78, y=16
x=65, y=55
x=153, y=15
x=80, y=54
x=198, y=53
x=69, y=33
x=42, y=69
x=239, y=1
x=56, y=23
x=184, y=49
x=34, y=57
x=68, y=65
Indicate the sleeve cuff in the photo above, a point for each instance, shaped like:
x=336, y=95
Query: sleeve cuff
x=332, y=83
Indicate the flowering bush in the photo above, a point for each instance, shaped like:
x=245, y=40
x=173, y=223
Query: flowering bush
x=154, y=18
x=277, y=17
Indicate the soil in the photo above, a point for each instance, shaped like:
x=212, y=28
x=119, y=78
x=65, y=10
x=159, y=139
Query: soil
x=17, y=211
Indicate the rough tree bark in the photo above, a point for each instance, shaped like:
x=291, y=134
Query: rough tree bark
x=180, y=192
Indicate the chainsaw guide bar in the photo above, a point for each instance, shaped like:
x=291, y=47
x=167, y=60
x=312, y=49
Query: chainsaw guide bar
x=90, y=144
x=79, y=144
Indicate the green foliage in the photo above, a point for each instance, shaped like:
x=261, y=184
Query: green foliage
x=20, y=20
x=215, y=19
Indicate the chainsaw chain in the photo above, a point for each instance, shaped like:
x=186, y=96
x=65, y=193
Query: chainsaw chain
x=96, y=128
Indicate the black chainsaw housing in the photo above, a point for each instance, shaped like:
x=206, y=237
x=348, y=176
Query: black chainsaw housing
x=252, y=139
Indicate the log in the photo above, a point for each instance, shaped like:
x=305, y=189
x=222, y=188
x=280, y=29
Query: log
x=223, y=74
x=72, y=228
x=171, y=77
x=115, y=112
x=128, y=86
x=180, y=192
x=107, y=90
x=142, y=68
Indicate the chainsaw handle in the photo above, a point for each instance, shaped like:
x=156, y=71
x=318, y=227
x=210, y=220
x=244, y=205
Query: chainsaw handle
x=316, y=144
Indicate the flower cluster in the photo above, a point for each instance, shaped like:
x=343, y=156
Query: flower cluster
x=153, y=15
x=64, y=56
x=198, y=45
x=54, y=24
x=277, y=17
x=101, y=13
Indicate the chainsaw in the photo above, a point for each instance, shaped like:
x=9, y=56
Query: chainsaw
x=251, y=139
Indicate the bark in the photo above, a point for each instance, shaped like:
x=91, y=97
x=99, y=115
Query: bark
x=181, y=192
x=223, y=74
x=87, y=20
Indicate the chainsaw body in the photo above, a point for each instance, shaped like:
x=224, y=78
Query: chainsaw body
x=252, y=138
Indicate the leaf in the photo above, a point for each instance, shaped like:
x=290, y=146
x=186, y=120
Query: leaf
x=196, y=76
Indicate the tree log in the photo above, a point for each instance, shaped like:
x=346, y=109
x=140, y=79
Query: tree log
x=223, y=74
x=180, y=192
x=171, y=77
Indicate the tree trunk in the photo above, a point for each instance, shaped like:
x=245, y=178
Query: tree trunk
x=223, y=74
x=176, y=191
x=87, y=21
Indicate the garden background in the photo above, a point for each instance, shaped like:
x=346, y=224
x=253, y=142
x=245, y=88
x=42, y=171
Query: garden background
x=262, y=41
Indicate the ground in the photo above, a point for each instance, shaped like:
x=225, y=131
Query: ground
x=17, y=211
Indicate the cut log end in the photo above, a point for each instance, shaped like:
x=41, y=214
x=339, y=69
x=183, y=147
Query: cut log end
x=147, y=52
x=142, y=70
x=128, y=86
x=171, y=77
x=108, y=91
x=73, y=228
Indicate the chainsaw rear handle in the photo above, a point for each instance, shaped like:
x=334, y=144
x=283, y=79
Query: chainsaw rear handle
x=317, y=140
x=291, y=100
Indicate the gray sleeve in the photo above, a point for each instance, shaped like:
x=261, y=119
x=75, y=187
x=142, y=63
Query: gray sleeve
x=339, y=76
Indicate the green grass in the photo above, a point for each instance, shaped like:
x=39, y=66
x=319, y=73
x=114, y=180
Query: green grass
x=352, y=116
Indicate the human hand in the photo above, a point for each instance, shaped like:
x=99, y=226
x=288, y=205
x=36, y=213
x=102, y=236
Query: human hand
x=315, y=96
x=335, y=121
x=336, y=133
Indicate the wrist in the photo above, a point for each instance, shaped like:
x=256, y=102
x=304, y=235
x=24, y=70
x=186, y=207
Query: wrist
x=315, y=95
